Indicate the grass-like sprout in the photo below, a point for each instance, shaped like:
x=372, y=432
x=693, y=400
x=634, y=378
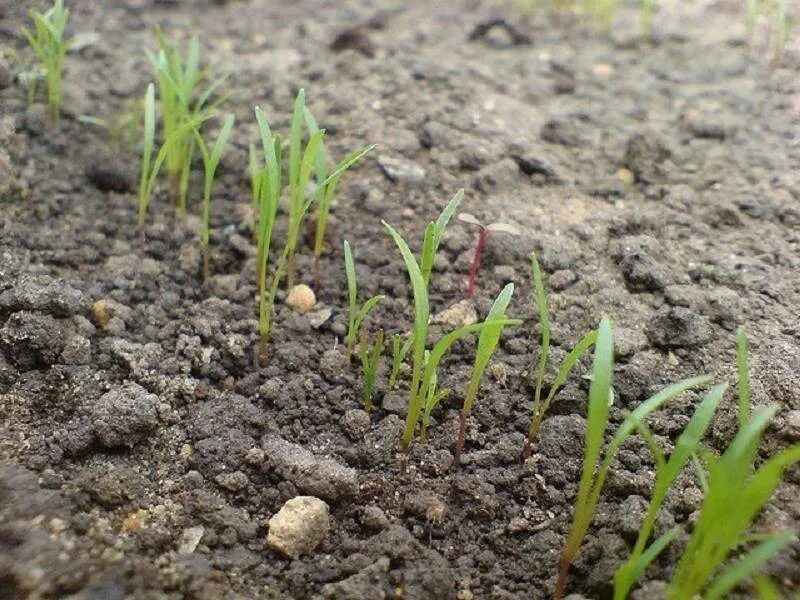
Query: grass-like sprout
x=326, y=193
x=356, y=314
x=370, y=355
x=487, y=342
x=182, y=101
x=211, y=160
x=597, y=455
x=735, y=493
x=268, y=185
x=480, y=244
x=47, y=41
x=151, y=166
x=432, y=400
x=423, y=370
x=540, y=404
x=430, y=245
x=779, y=24
x=667, y=471
x=124, y=127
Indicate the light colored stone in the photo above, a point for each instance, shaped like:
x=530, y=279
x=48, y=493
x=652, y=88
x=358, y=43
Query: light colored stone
x=459, y=314
x=299, y=526
x=301, y=298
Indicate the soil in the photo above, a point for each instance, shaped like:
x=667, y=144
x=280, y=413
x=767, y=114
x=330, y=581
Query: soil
x=143, y=452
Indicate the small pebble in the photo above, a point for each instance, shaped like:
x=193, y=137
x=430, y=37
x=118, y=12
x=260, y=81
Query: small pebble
x=301, y=298
x=299, y=526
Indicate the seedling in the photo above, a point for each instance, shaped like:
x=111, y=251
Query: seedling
x=356, y=314
x=667, y=471
x=125, y=127
x=326, y=194
x=47, y=41
x=432, y=400
x=210, y=163
x=430, y=245
x=778, y=24
x=480, y=245
x=370, y=362
x=735, y=493
x=150, y=167
x=541, y=405
x=423, y=371
x=597, y=458
x=487, y=342
x=269, y=186
x=179, y=79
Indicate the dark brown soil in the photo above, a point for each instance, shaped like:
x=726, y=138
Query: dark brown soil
x=121, y=442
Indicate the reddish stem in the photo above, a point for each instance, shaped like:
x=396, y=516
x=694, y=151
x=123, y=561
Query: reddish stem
x=476, y=261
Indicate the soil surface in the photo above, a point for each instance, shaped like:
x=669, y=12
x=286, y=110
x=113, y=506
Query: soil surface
x=142, y=451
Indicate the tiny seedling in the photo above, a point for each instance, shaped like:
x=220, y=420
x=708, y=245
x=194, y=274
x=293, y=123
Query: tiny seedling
x=179, y=79
x=357, y=314
x=735, y=493
x=124, y=127
x=326, y=194
x=430, y=245
x=597, y=455
x=370, y=356
x=480, y=245
x=432, y=400
x=47, y=41
x=423, y=370
x=487, y=342
x=268, y=184
x=541, y=405
x=210, y=163
x=667, y=470
x=151, y=166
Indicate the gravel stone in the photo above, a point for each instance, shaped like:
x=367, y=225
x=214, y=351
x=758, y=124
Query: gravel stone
x=678, y=327
x=299, y=526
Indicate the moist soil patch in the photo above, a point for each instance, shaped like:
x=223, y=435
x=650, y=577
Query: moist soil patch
x=144, y=452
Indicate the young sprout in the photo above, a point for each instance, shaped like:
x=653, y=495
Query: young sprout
x=487, y=342
x=326, y=193
x=399, y=352
x=269, y=186
x=356, y=314
x=541, y=405
x=423, y=370
x=254, y=170
x=125, y=126
x=432, y=400
x=150, y=167
x=668, y=468
x=210, y=163
x=181, y=102
x=47, y=41
x=646, y=17
x=735, y=493
x=370, y=362
x=483, y=237
x=430, y=245
x=598, y=456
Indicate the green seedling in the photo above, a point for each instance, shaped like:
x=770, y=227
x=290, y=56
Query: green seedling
x=597, y=455
x=370, y=356
x=151, y=166
x=125, y=127
x=399, y=352
x=423, y=371
x=646, y=13
x=47, y=41
x=326, y=194
x=182, y=101
x=432, y=400
x=667, y=471
x=778, y=24
x=540, y=404
x=269, y=186
x=357, y=314
x=735, y=493
x=254, y=170
x=430, y=245
x=487, y=342
x=211, y=160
